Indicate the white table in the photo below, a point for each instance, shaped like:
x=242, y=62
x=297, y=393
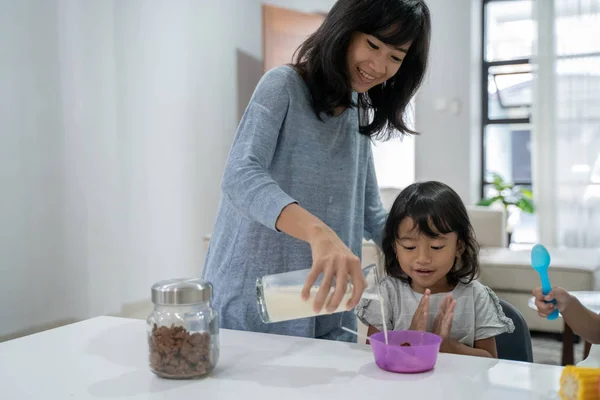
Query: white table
x=106, y=358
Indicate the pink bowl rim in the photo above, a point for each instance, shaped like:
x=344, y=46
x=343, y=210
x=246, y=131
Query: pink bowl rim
x=380, y=338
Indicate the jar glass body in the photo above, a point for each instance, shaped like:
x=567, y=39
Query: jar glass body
x=183, y=340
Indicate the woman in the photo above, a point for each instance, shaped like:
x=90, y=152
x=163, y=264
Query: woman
x=299, y=188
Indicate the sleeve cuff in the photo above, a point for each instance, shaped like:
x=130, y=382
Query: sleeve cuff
x=484, y=333
x=366, y=316
x=269, y=206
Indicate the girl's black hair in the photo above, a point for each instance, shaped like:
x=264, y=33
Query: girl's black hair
x=322, y=61
x=435, y=209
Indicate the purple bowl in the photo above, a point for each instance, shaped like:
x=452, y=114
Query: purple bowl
x=420, y=356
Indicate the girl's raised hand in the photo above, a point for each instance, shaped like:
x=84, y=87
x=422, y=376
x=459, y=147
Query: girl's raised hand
x=419, y=320
x=443, y=322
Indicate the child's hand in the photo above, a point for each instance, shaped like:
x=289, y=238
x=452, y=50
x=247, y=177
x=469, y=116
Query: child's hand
x=419, y=320
x=443, y=322
x=559, y=294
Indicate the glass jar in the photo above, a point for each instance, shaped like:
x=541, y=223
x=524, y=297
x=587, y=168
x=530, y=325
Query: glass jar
x=183, y=329
x=279, y=296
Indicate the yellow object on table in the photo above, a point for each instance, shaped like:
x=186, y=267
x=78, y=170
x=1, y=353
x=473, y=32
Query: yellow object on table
x=580, y=383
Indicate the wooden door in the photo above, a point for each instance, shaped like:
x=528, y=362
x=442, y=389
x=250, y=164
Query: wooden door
x=283, y=31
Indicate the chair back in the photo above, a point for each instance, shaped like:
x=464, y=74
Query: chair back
x=517, y=345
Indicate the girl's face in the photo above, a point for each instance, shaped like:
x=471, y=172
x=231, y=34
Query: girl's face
x=426, y=260
x=372, y=62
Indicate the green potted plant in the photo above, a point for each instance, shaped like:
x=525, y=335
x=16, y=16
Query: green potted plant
x=512, y=197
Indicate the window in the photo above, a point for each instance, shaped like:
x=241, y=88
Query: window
x=507, y=47
x=509, y=29
x=577, y=133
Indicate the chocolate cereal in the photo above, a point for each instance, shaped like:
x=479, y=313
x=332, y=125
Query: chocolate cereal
x=178, y=354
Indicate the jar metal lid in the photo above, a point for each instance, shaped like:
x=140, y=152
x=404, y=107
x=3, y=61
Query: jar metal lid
x=182, y=292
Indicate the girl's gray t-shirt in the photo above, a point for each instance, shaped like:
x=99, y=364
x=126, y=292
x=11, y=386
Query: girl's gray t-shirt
x=477, y=315
x=281, y=154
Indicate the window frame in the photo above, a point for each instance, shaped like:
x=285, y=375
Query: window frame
x=485, y=117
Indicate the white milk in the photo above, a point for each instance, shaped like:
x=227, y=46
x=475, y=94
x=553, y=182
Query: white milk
x=385, y=331
x=285, y=303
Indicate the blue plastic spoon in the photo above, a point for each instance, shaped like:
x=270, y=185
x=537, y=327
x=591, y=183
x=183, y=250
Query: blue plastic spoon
x=540, y=261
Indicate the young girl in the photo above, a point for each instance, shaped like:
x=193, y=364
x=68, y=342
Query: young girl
x=431, y=262
x=299, y=187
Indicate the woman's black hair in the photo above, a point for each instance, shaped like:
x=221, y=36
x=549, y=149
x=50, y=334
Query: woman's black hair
x=322, y=61
x=435, y=209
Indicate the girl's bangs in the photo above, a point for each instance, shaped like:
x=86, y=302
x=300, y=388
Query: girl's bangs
x=429, y=218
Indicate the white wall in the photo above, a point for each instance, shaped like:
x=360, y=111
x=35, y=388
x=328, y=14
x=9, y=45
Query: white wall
x=176, y=85
x=115, y=122
x=115, y=119
x=316, y=6
x=32, y=185
x=449, y=148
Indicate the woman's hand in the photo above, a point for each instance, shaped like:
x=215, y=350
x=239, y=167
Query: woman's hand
x=332, y=258
x=419, y=319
